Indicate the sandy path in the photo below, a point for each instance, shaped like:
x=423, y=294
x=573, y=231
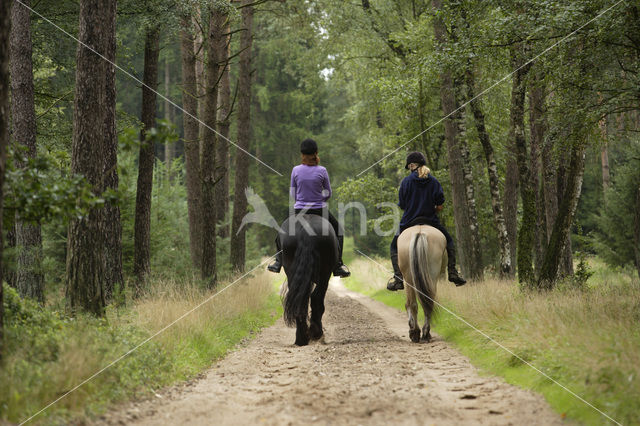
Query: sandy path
x=366, y=372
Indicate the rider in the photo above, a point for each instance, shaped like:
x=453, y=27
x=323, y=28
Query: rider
x=421, y=197
x=311, y=189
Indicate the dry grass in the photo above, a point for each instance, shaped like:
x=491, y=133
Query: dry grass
x=84, y=345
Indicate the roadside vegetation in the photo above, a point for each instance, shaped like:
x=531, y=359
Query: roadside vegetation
x=49, y=352
x=584, y=337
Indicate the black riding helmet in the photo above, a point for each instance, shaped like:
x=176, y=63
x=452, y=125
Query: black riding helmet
x=415, y=157
x=308, y=147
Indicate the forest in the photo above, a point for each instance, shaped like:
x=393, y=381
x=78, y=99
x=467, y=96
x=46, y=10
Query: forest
x=135, y=136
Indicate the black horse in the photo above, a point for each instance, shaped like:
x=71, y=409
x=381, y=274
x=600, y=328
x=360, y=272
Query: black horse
x=309, y=256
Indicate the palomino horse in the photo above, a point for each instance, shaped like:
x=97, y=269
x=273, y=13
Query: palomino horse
x=422, y=258
x=309, y=255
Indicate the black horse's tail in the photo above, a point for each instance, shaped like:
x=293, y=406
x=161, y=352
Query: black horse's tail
x=296, y=301
x=419, y=261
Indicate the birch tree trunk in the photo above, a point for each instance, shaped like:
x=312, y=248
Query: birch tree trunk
x=5, y=28
x=224, y=123
x=209, y=142
x=191, y=142
x=113, y=225
x=86, y=264
x=455, y=151
x=566, y=213
x=494, y=178
x=244, y=137
x=29, y=278
x=537, y=129
x=527, y=194
x=142, y=227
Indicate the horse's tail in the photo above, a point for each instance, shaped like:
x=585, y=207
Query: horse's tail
x=419, y=261
x=296, y=301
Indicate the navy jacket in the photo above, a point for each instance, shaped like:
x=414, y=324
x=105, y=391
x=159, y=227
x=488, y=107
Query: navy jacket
x=419, y=198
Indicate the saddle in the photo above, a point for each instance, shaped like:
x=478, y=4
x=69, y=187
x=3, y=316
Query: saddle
x=420, y=220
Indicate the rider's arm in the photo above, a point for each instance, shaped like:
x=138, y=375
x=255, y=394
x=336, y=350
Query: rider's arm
x=326, y=185
x=293, y=186
x=439, y=208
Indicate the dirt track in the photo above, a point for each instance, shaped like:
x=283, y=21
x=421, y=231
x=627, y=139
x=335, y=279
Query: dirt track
x=365, y=372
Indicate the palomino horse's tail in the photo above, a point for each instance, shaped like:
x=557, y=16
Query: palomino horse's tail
x=419, y=263
x=296, y=301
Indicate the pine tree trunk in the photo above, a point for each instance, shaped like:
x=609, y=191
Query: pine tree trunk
x=191, y=143
x=209, y=142
x=566, y=213
x=494, y=178
x=224, y=123
x=86, y=265
x=199, y=45
x=537, y=125
x=456, y=163
x=169, y=148
x=113, y=225
x=29, y=278
x=244, y=136
x=9, y=274
x=142, y=237
x=5, y=28
x=526, y=233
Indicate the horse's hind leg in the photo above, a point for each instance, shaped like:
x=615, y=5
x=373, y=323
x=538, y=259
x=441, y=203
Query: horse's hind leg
x=412, y=311
x=427, y=307
x=317, y=310
x=302, y=332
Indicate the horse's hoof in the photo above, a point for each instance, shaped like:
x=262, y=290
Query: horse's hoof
x=426, y=338
x=302, y=342
x=315, y=332
x=414, y=335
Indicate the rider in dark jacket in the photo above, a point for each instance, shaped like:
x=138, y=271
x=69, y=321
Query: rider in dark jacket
x=421, y=197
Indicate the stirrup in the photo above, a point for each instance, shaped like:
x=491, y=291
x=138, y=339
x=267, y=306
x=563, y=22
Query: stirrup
x=341, y=271
x=395, y=284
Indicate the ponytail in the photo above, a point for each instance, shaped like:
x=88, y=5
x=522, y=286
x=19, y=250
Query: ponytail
x=423, y=171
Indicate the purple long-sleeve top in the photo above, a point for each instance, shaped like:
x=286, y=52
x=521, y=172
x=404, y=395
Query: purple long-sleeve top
x=310, y=187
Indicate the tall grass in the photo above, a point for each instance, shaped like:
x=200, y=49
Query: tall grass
x=587, y=340
x=48, y=353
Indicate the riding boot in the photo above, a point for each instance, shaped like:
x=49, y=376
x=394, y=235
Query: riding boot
x=396, y=282
x=341, y=270
x=276, y=265
x=454, y=276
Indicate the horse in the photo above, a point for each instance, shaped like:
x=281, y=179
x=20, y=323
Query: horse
x=309, y=255
x=422, y=258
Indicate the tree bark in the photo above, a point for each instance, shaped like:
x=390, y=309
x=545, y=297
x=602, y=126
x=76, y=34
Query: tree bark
x=636, y=233
x=169, y=148
x=566, y=265
x=85, y=244
x=455, y=150
x=224, y=123
x=142, y=237
x=566, y=213
x=209, y=142
x=199, y=44
x=537, y=125
x=549, y=184
x=526, y=233
x=29, y=278
x=5, y=28
x=191, y=143
x=113, y=225
x=494, y=178
x=244, y=136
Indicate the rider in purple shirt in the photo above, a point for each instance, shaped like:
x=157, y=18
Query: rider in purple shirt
x=311, y=188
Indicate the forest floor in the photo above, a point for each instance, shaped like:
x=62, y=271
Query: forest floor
x=365, y=370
